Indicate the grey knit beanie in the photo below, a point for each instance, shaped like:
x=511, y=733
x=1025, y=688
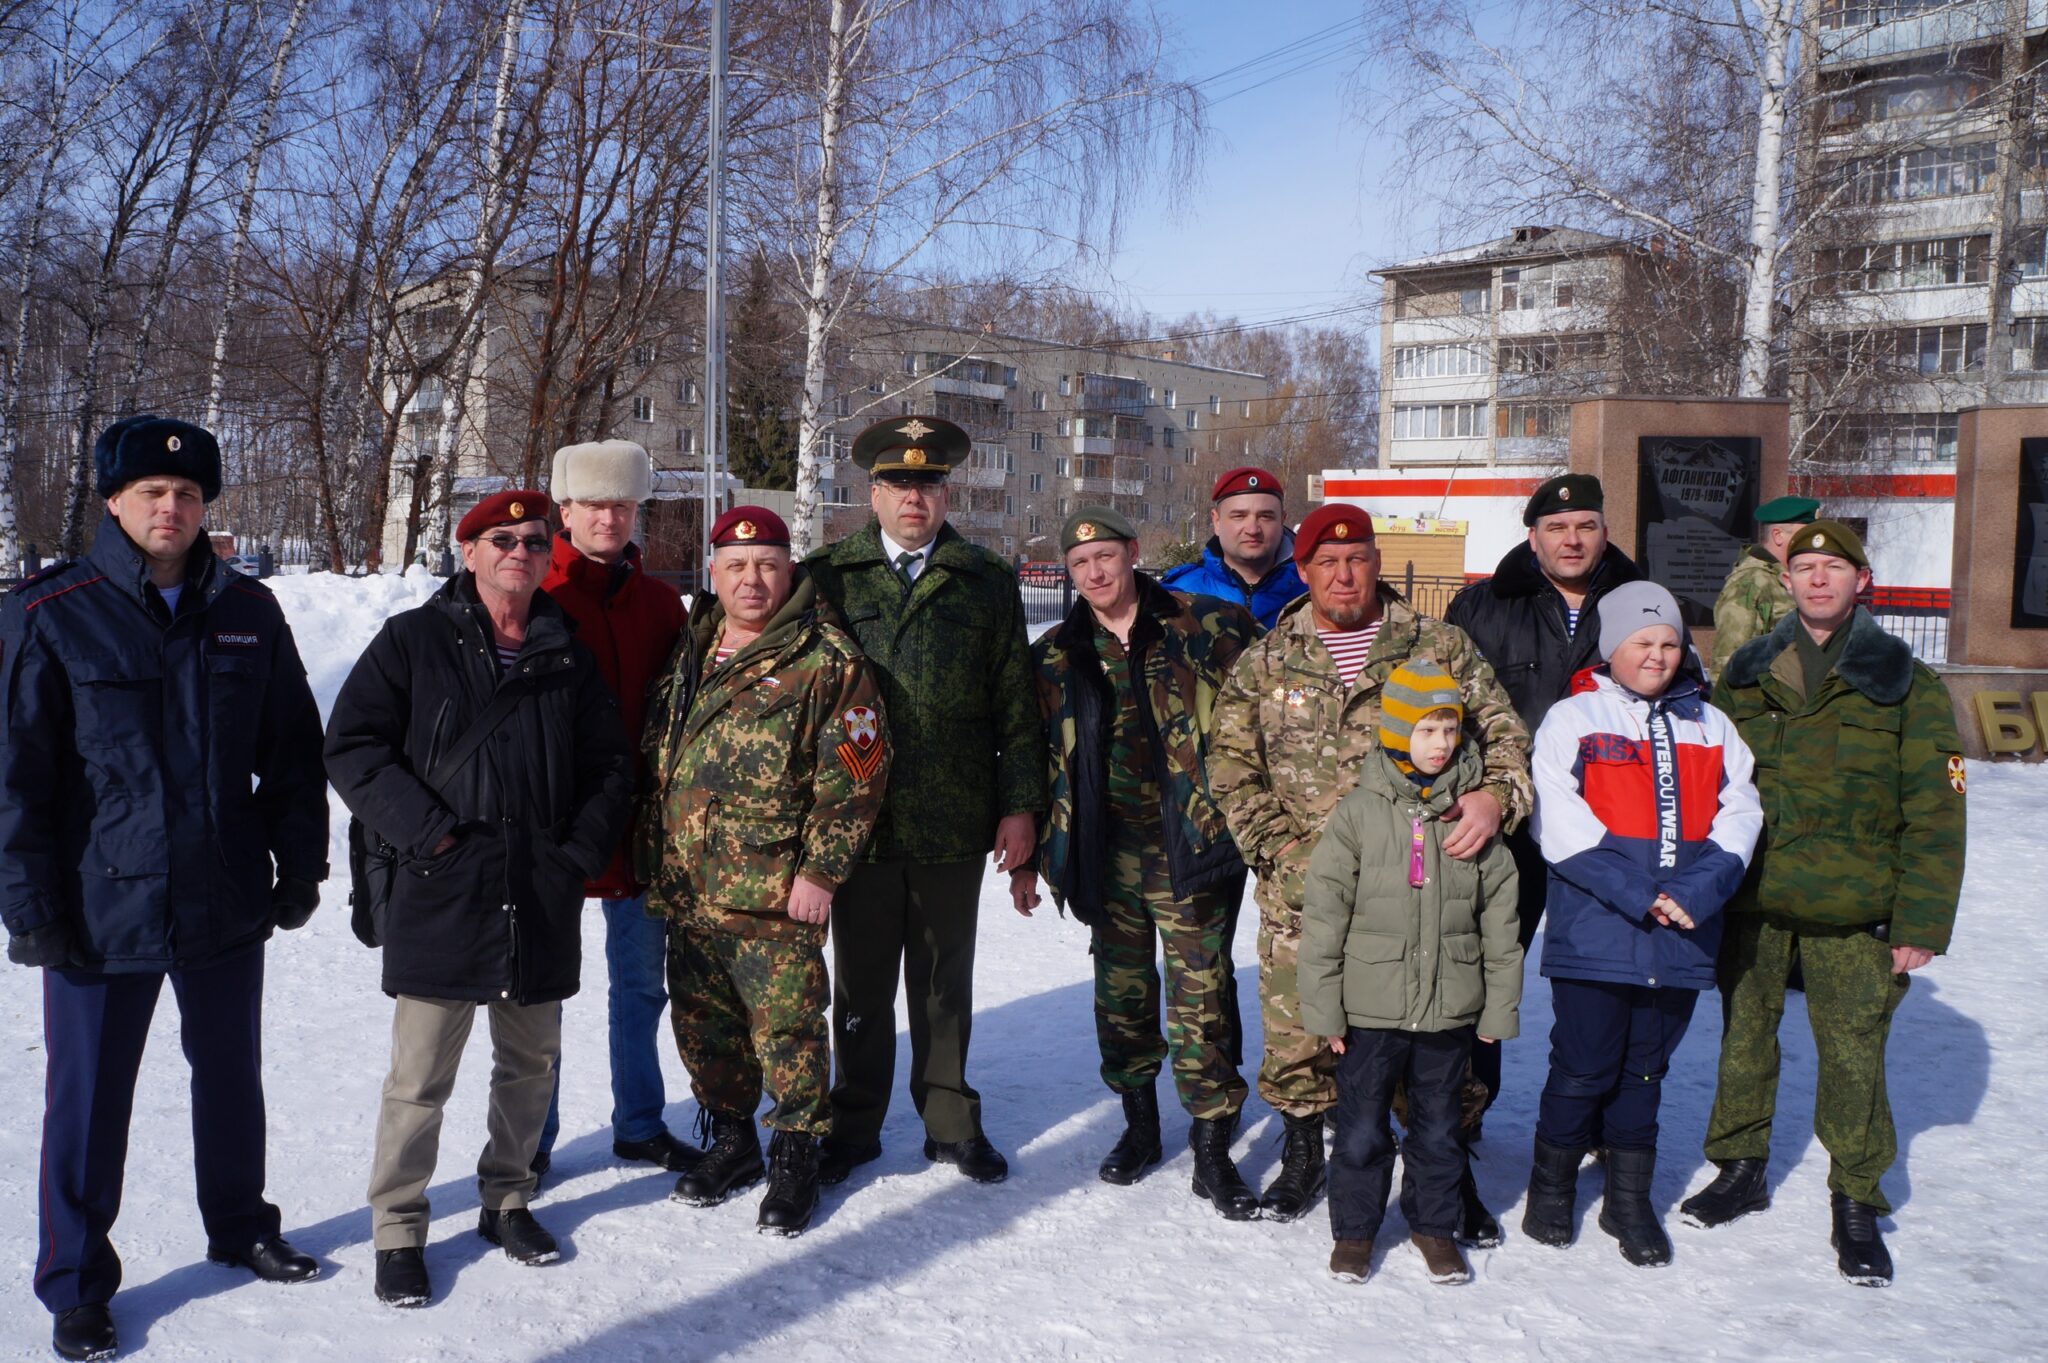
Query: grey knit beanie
x=1633, y=606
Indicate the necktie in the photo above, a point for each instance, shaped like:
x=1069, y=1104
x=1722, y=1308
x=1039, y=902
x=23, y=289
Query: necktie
x=905, y=561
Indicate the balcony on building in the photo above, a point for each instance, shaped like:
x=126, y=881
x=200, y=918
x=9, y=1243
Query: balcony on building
x=1109, y=395
x=1856, y=32
x=968, y=377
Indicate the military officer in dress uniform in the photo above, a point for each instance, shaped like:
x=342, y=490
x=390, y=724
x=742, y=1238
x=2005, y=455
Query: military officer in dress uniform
x=942, y=622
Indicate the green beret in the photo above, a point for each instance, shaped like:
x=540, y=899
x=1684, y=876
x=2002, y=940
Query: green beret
x=1566, y=492
x=1092, y=523
x=911, y=445
x=1787, y=511
x=1828, y=537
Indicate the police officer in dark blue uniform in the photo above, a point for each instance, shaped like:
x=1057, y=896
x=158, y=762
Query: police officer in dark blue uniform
x=163, y=807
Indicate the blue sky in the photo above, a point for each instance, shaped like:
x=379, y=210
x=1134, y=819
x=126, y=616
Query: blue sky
x=1279, y=219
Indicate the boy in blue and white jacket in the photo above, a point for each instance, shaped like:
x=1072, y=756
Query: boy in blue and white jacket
x=1647, y=815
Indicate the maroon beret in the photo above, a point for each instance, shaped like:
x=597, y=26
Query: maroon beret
x=1246, y=479
x=503, y=508
x=750, y=525
x=1332, y=522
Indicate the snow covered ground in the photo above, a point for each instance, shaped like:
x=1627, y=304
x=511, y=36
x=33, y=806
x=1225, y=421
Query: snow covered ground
x=909, y=1261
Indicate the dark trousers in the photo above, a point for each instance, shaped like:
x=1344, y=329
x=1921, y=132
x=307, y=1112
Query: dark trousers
x=94, y=1028
x=918, y=919
x=1432, y=1153
x=1533, y=881
x=1609, y=1048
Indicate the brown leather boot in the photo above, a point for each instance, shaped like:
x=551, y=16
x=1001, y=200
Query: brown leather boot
x=1444, y=1260
x=1351, y=1260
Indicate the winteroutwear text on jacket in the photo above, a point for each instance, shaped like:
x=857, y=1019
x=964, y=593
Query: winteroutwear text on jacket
x=158, y=770
x=1183, y=648
x=1520, y=622
x=1637, y=797
x=1396, y=935
x=536, y=811
x=1862, y=786
x=769, y=766
x=1212, y=575
x=629, y=622
x=955, y=672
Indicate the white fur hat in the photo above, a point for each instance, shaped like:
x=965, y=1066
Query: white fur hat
x=602, y=471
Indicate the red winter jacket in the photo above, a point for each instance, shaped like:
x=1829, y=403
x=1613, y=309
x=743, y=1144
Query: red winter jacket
x=630, y=622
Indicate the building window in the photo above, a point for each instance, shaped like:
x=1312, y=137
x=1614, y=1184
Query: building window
x=1551, y=354
x=1894, y=438
x=1525, y=419
x=1059, y=466
x=1247, y=412
x=909, y=363
x=1439, y=420
x=1009, y=505
x=643, y=354
x=1857, y=13
x=1038, y=400
x=1193, y=416
x=1031, y=523
x=1166, y=436
x=1954, y=349
x=842, y=495
x=1881, y=266
x=845, y=405
x=1034, y=482
x=1063, y=506
x=1038, y=440
x=1009, y=376
x=1169, y=400
x=643, y=408
x=686, y=439
x=1066, y=386
x=1536, y=286
x=686, y=390
x=1215, y=405
x=1435, y=362
x=2030, y=345
x=1929, y=173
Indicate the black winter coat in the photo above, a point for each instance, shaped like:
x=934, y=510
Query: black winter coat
x=155, y=768
x=1517, y=619
x=535, y=812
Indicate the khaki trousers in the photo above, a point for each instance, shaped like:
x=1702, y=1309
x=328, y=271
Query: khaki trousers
x=427, y=1037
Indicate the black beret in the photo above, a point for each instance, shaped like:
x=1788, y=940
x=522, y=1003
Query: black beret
x=156, y=447
x=1566, y=492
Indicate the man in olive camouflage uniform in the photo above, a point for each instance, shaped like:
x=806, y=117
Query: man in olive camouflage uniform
x=1135, y=845
x=1291, y=732
x=766, y=740
x=942, y=623
x=1754, y=597
x=1857, y=875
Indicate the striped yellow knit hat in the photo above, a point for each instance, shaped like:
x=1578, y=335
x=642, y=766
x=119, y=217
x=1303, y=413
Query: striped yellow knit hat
x=1416, y=688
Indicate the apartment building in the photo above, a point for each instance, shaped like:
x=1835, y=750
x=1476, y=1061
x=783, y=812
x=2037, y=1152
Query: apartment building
x=1055, y=427
x=1484, y=348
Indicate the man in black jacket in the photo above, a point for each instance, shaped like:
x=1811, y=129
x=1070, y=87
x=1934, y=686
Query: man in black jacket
x=159, y=758
x=1537, y=622
x=477, y=739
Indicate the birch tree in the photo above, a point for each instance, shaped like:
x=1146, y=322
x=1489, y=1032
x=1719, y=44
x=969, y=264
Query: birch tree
x=1009, y=133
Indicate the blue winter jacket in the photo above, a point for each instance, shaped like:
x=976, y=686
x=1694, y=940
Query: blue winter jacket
x=1209, y=575
x=1635, y=798
x=157, y=772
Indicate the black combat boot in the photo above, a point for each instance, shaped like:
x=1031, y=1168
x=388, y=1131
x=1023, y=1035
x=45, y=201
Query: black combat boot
x=1301, y=1170
x=733, y=1162
x=1216, y=1176
x=84, y=1332
x=1625, y=1211
x=523, y=1239
x=1736, y=1191
x=1859, y=1248
x=402, y=1277
x=1138, y=1148
x=1553, y=1194
x=792, y=1184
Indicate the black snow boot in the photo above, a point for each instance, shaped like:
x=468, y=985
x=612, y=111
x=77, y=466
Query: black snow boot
x=84, y=1332
x=1736, y=1191
x=402, y=1277
x=1859, y=1248
x=1625, y=1211
x=733, y=1162
x=1553, y=1194
x=792, y=1184
x=1216, y=1176
x=1477, y=1227
x=523, y=1239
x=1301, y=1170
x=1138, y=1148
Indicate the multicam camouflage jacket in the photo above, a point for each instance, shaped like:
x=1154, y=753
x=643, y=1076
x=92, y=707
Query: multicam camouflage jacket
x=1751, y=601
x=1290, y=737
x=955, y=672
x=1862, y=785
x=769, y=766
x=1183, y=647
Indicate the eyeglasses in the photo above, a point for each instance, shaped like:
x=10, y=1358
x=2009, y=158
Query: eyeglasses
x=505, y=544
x=902, y=489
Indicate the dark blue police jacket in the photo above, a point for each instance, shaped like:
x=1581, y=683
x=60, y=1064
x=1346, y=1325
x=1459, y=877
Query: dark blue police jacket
x=155, y=769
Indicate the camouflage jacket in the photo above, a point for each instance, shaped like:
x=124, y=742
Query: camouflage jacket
x=1290, y=737
x=1751, y=601
x=955, y=672
x=1862, y=786
x=1183, y=647
x=767, y=767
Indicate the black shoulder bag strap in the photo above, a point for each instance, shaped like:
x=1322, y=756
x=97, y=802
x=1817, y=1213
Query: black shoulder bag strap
x=472, y=738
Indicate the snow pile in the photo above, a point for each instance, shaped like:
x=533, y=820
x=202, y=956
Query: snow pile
x=907, y=1261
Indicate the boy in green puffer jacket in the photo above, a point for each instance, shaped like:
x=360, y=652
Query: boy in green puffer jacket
x=1406, y=956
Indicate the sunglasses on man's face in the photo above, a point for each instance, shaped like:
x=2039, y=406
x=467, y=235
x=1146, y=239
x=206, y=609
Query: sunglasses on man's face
x=505, y=544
